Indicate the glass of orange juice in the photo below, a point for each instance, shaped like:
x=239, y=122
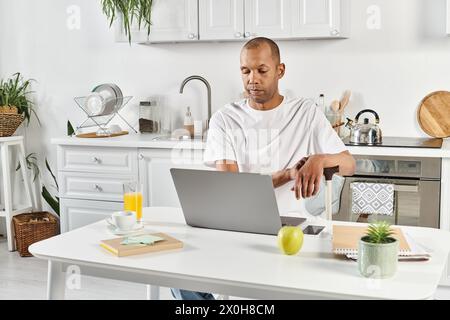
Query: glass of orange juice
x=132, y=198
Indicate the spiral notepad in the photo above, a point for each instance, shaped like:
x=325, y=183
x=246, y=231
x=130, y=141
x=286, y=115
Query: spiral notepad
x=346, y=240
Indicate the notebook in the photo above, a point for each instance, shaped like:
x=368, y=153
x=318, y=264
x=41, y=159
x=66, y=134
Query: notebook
x=115, y=247
x=346, y=240
x=418, y=251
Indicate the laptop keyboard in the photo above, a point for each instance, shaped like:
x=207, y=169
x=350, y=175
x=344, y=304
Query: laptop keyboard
x=291, y=221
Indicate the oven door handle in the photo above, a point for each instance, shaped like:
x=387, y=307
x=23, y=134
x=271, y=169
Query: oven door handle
x=406, y=188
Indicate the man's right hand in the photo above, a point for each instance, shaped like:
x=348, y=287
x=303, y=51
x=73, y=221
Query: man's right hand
x=293, y=171
x=308, y=173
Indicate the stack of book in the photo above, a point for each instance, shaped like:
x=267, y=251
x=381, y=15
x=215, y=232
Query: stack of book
x=346, y=241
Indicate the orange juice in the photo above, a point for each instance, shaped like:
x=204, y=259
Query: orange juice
x=132, y=201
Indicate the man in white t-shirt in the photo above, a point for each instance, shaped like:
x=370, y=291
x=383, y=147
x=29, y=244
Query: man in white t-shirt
x=289, y=138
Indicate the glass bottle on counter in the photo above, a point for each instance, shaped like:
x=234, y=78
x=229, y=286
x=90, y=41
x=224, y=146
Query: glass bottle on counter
x=149, y=117
x=321, y=103
x=189, y=122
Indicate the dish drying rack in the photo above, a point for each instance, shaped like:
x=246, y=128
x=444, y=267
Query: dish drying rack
x=102, y=120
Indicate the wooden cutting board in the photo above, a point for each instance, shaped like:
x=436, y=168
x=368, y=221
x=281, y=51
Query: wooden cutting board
x=434, y=114
x=93, y=135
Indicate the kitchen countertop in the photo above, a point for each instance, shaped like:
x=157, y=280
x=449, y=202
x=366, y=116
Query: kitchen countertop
x=130, y=141
x=146, y=141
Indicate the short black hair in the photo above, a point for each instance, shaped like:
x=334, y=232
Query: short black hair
x=258, y=42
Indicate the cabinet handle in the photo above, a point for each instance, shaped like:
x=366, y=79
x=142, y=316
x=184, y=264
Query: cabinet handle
x=238, y=35
x=98, y=188
x=96, y=160
x=406, y=188
x=192, y=36
x=141, y=157
x=335, y=32
x=248, y=35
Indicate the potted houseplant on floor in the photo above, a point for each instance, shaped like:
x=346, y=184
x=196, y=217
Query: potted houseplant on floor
x=378, y=252
x=15, y=107
x=128, y=11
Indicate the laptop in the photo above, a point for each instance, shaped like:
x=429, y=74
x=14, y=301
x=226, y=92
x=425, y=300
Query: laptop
x=242, y=202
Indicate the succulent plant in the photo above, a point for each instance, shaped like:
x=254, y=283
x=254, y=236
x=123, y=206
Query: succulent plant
x=379, y=232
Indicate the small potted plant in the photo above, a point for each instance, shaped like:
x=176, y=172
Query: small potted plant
x=15, y=107
x=378, y=252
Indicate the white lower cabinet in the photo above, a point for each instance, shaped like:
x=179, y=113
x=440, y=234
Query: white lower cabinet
x=78, y=213
x=89, y=195
x=93, y=186
x=90, y=182
x=154, y=172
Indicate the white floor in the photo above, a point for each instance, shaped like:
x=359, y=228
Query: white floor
x=26, y=279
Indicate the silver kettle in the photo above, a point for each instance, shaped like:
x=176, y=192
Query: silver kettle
x=365, y=133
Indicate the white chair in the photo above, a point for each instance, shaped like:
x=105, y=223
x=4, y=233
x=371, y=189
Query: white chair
x=7, y=193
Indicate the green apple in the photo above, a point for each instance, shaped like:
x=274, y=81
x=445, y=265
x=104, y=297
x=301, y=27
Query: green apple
x=290, y=239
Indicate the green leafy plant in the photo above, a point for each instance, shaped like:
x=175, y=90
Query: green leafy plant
x=31, y=161
x=14, y=92
x=53, y=202
x=379, y=232
x=70, y=130
x=131, y=10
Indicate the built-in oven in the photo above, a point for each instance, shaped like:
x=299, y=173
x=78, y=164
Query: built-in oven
x=416, y=183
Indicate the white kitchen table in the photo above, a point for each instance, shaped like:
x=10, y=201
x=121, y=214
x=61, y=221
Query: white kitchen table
x=239, y=264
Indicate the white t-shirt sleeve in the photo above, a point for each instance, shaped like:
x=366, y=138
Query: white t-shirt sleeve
x=219, y=145
x=324, y=139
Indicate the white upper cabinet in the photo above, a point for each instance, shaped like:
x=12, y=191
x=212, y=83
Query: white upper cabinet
x=221, y=19
x=174, y=20
x=268, y=18
x=319, y=18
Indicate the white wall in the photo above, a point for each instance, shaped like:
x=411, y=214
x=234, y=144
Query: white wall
x=389, y=70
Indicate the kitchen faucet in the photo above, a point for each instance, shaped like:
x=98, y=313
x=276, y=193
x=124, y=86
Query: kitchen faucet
x=208, y=87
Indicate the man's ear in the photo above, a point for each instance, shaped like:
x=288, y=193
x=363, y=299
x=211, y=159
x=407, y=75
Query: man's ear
x=281, y=70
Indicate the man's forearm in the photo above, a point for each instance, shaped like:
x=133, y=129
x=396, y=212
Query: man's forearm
x=344, y=160
x=281, y=178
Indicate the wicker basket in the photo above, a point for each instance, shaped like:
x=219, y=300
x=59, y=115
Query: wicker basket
x=10, y=120
x=33, y=227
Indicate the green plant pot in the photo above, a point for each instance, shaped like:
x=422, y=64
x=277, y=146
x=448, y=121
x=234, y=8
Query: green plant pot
x=376, y=260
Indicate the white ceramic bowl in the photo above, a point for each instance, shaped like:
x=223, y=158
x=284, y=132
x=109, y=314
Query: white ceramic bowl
x=114, y=128
x=95, y=104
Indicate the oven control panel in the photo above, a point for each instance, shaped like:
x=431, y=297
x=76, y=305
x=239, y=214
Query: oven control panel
x=381, y=167
x=389, y=166
x=409, y=167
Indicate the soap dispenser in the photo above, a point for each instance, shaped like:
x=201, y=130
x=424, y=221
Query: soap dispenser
x=189, y=122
